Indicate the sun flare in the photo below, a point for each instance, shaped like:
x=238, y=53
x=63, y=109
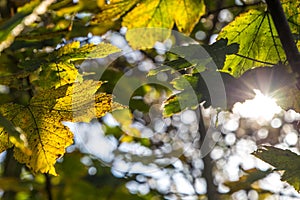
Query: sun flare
x=260, y=107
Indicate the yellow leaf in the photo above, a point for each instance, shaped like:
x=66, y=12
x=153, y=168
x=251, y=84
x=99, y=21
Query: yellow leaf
x=136, y=37
x=125, y=118
x=85, y=105
x=150, y=13
x=68, y=48
x=61, y=69
x=160, y=14
x=112, y=11
x=58, y=74
x=187, y=14
x=41, y=121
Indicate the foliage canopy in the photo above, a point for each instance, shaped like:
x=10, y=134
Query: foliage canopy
x=47, y=78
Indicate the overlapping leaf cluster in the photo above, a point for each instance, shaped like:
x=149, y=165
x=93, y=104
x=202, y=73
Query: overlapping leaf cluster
x=59, y=94
x=195, y=69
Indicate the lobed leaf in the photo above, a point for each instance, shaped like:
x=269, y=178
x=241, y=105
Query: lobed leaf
x=259, y=44
x=41, y=121
x=140, y=16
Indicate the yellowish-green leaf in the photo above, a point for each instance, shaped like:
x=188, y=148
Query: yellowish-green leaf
x=113, y=11
x=58, y=74
x=259, y=44
x=80, y=98
x=164, y=13
x=136, y=37
x=69, y=48
x=72, y=7
x=74, y=52
x=292, y=9
x=125, y=118
x=143, y=15
x=41, y=121
x=150, y=13
x=184, y=100
x=282, y=160
x=14, y=81
x=61, y=69
x=187, y=14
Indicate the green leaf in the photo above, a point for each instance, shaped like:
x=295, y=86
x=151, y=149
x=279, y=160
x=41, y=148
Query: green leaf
x=198, y=57
x=220, y=49
x=195, y=89
x=259, y=44
x=282, y=160
x=185, y=81
x=181, y=101
x=292, y=10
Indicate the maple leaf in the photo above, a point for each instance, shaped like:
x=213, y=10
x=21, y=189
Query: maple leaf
x=259, y=44
x=41, y=121
x=140, y=16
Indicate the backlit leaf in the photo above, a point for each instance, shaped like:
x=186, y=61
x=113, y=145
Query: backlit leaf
x=114, y=10
x=41, y=121
x=181, y=101
x=143, y=15
x=282, y=160
x=292, y=9
x=125, y=118
x=259, y=44
x=198, y=57
x=61, y=70
x=187, y=14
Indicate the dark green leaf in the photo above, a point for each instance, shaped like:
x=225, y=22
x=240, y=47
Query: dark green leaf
x=282, y=160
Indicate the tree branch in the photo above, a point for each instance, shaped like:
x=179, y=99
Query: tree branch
x=48, y=186
x=285, y=35
x=212, y=192
x=12, y=168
